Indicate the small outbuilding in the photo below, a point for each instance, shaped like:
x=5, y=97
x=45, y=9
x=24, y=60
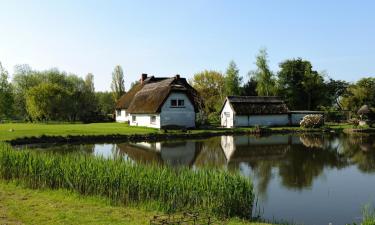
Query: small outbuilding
x=246, y=111
x=159, y=102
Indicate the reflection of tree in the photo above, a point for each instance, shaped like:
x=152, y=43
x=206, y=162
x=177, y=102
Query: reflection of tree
x=361, y=151
x=210, y=154
x=301, y=166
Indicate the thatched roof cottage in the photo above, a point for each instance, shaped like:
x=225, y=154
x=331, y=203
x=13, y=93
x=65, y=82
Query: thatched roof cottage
x=244, y=111
x=159, y=102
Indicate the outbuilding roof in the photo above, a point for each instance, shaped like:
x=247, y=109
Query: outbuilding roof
x=256, y=105
x=149, y=95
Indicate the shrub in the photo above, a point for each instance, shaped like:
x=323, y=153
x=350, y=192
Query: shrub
x=354, y=122
x=312, y=121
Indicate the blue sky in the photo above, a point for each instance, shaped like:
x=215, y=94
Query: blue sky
x=164, y=38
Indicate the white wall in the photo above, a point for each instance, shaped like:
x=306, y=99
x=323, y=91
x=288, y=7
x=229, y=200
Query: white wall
x=184, y=116
x=253, y=120
x=122, y=117
x=226, y=116
x=269, y=120
x=144, y=120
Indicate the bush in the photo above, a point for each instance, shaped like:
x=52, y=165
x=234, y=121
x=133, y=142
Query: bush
x=354, y=122
x=312, y=121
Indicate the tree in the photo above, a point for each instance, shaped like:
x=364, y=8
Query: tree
x=106, y=104
x=359, y=94
x=232, y=80
x=210, y=85
x=46, y=101
x=335, y=90
x=6, y=95
x=89, y=82
x=301, y=87
x=118, y=83
x=249, y=89
x=266, y=83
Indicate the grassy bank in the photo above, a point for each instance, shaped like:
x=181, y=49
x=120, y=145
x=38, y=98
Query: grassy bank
x=124, y=183
x=12, y=131
x=20, y=205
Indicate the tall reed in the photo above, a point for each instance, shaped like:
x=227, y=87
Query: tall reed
x=162, y=188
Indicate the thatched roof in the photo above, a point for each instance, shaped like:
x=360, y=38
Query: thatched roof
x=149, y=96
x=256, y=105
x=365, y=109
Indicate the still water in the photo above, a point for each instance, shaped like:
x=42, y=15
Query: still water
x=307, y=179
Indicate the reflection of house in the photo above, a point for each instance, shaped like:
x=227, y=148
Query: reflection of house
x=171, y=153
x=243, y=111
x=245, y=148
x=158, y=102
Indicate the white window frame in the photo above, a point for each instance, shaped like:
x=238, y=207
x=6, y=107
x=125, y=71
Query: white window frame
x=134, y=119
x=180, y=103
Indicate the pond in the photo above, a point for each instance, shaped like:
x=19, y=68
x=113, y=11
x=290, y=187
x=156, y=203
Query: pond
x=310, y=179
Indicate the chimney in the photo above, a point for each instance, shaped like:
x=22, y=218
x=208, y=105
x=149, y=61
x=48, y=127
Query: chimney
x=177, y=76
x=143, y=77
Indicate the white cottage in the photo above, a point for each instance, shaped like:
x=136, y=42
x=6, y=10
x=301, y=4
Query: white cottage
x=159, y=102
x=246, y=111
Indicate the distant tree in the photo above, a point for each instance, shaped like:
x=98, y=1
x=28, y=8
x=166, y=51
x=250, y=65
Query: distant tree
x=6, y=94
x=89, y=82
x=106, y=104
x=335, y=90
x=118, y=83
x=232, y=80
x=250, y=88
x=359, y=94
x=46, y=101
x=210, y=85
x=301, y=87
x=266, y=83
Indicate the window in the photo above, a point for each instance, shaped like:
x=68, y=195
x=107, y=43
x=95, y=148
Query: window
x=176, y=103
x=118, y=112
x=134, y=118
x=153, y=119
x=227, y=114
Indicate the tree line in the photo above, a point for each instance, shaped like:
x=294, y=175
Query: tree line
x=53, y=95
x=302, y=87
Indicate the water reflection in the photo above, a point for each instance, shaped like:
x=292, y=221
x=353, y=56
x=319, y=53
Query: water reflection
x=307, y=168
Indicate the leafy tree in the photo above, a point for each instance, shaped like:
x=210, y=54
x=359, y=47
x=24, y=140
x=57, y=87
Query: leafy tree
x=232, y=80
x=106, y=104
x=335, y=89
x=359, y=94
x=249, y=89
x=89, y=82
x=266, y=83
x=210, y=85
x=6, y=95
x=46, y=101
x=302, y=87
x=118, y=83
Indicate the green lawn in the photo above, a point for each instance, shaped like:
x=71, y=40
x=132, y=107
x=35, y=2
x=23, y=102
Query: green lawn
x=10, y=131
x=20, y=205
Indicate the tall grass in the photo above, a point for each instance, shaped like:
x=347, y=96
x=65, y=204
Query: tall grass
x=162, y=188
x=368, y=215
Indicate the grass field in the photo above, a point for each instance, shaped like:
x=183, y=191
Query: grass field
x=9, y=131
x=19, y=205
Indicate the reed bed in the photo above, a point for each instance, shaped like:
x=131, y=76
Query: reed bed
x=159, y=187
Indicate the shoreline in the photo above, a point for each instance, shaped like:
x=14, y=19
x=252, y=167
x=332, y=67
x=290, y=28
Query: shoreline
x=154, y=137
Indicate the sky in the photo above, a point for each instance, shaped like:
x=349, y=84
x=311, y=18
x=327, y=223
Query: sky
x=164, y=38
